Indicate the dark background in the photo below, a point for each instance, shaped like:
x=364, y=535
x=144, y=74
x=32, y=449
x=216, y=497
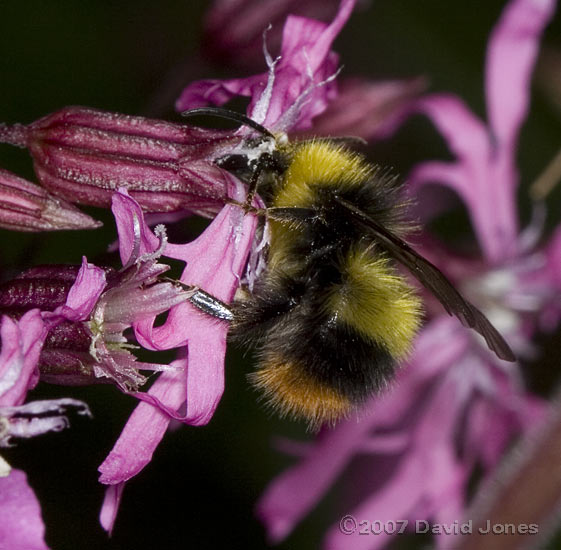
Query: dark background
x=134, y=57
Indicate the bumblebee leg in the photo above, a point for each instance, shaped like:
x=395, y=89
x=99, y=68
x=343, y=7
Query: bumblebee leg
x=288, y=215
x=252, y=186
x=293, y=214
x=248, y=209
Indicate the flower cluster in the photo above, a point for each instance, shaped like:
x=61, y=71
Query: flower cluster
x=454, y=408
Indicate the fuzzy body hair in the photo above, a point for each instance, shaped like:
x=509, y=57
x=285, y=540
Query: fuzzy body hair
x=331, y=317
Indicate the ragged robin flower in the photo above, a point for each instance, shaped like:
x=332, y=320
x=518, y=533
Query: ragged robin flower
x=454, y=410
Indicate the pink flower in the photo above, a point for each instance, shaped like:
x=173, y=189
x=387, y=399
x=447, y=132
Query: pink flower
x=214, y=263
x=21, y=345
x=299, y=84
x=484, y=174
x=22, y=526
x=105, y=303
x=85, y=311
x=454, y=406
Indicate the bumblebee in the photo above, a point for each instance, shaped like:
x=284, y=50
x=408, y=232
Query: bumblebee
x=331, y=316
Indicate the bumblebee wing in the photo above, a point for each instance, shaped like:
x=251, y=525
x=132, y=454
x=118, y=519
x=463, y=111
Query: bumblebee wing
x=435, y=281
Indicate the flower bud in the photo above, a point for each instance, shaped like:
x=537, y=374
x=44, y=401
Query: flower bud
x=25, y=206
x=85, y=155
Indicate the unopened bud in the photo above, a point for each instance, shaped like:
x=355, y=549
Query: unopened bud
x=25, y=206
x=86, y=155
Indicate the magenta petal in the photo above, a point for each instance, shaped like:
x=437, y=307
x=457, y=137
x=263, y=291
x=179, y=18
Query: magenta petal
x=464, y=133
x=144, y=429
x=307, y=42
x=21, y=524
x=294, y=90
x=110, y=506
x=84, y=293
x=134, y=235
x=294, y=493
x=205, y=375
x=428, y=473
x=21, y=345
x=368, y=109
x=447, y=173
x=486, y=156
x=511, y=55
x=204, y=384
x=214, y=263
x=484, y=178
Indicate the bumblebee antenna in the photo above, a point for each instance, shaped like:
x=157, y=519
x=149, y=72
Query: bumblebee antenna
x=220, y=112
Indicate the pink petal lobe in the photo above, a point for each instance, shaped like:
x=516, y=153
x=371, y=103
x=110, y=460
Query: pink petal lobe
x=308, y=42
x=110, y=506
x=205, y=375
x=144, y=429
x=134, y=235
x=466, y=136
x=21, y=527
x=484, y=178
x=84, y=293
x=511, y=55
